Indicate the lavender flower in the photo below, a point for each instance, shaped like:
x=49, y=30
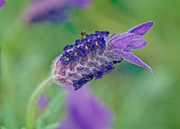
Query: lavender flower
x=2, y=3
x=52, y=10
x=85, y=113
x=95, y=56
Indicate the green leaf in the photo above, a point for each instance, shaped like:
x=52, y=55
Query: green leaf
x=8, y=117
x=2, y=127
x=50, y=126
x=52, y=112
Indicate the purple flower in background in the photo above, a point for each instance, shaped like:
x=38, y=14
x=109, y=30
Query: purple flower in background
x=97, y=54
x=52, y=10
x=85, y=111
x=43, y=102
x=2, y=3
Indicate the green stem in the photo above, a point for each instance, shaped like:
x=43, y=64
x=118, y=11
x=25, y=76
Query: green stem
x=31, y=109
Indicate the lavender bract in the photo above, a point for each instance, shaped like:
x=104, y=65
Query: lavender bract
x=95, y=56
x=85, y=113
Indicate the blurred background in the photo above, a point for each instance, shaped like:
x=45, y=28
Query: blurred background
x=33, y=33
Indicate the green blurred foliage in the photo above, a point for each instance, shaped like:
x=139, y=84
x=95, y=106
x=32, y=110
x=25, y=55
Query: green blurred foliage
x=138, y=98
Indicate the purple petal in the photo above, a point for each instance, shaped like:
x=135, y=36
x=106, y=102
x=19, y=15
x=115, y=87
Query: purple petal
x=85, y=111
x=122, y=42
x=2, y=2
x=130, y=57
x=142, y=28
x=136, y=43
x=115, y=37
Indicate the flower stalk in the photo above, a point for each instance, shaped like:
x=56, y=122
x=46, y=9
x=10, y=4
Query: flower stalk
x=30, y=118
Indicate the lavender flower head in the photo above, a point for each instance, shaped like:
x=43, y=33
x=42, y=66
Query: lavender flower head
x=2, y=3
x=95, y=56
x=85, y=113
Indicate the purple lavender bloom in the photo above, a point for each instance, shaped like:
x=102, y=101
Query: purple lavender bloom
x=85, y=111
x=66, y=58
x=2, y=3
x=52, y=10
x=107, y=69
x=100, y=53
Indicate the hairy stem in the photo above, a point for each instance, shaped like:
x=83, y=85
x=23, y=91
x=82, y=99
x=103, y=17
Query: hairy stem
x=31, y=109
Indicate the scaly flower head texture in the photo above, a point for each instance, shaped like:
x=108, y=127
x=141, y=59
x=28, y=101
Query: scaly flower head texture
x=2, y=3
x=95, y=56
x=85, y=113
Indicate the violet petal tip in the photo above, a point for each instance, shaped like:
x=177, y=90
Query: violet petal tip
x=149, y=68
x=142, y=28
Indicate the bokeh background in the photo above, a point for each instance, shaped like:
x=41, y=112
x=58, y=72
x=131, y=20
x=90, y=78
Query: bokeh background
x=137, y=98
